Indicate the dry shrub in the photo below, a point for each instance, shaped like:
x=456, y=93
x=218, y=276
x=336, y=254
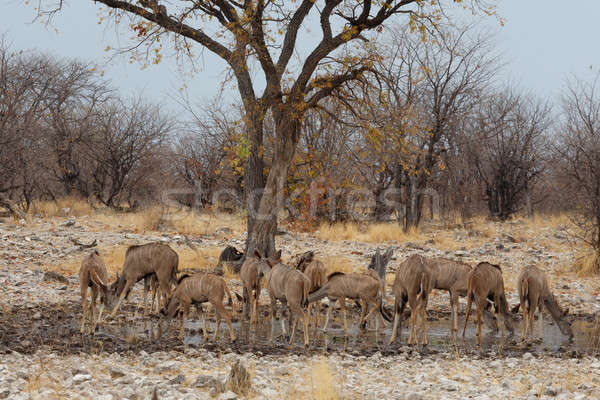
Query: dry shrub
x=587, y=264
x=64, y=207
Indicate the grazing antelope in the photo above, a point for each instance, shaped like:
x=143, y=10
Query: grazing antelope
x=412, y=284
x=290, y=287
x=453, y=276
x=197, y=289
x=486, y=283
x=315, y=271
x=366, y=287
x=142, y=262
x=251, y=274
x=93, y=274
x=535, y=292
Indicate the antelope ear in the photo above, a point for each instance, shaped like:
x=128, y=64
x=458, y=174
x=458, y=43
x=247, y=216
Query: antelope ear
x=278, y=255
x=257, y=254
x=566, y=311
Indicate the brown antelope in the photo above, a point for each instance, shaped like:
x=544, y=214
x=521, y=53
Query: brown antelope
x=412, y=284
x=366, y=287
x=93, y=274
x=197, y=289
x=486, y=283
x=453, y=276
x=290, y=287
x=535, y=292
x=141, y=262
x=315, y=271
x=251, y=275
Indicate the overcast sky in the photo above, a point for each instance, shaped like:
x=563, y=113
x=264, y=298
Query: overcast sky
x=544, y=41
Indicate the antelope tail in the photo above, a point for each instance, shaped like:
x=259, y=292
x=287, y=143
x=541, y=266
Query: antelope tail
x=305, y=295
x=98, y=282
x=230, y=303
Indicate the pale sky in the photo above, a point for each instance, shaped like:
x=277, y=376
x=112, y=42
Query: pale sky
x=544, y=41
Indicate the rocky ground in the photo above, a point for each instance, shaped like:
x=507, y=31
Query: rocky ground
x=42, y=354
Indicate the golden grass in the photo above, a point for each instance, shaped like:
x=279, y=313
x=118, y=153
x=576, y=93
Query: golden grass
x=157, y=218
x=201, y=258
x=321, y=382
x=338, y=264
x=373, y=233
x=65, y=207
x=587, y=263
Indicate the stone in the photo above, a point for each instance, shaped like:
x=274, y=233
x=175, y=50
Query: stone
x=50, y=276
x=414, y=396
x=80, y=378
x=116, y=373
x=178, y=380
x=4, y=394
x=228, y=395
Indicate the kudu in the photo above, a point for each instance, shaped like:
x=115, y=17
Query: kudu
x=141, y=262
x=93, y=274
x=412, y=284
x=315, y=271
x=535, y=292
x=290, y=287
x=453, y=276
x=366, y=287
x=197, y=289
x=232, y=257
x=485, y=283
x=251, y=275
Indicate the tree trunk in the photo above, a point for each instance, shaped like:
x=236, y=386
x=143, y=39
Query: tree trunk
x=261, y=235
x=254, y=184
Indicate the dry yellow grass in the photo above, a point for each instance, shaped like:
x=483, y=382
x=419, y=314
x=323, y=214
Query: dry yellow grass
x=68, y=206
x=373, y=233
x=201, y=258
x=318, y=383
x=152, y=219
x=338, y=264
x=587, y=263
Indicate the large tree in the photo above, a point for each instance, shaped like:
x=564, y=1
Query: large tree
x=266, y=35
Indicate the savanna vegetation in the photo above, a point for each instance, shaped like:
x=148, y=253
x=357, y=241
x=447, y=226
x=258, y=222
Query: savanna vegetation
x=393, y=114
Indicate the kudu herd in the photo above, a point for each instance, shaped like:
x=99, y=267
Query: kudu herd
x=298, y=286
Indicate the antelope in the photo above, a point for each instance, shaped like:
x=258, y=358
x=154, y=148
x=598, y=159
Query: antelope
x=251, y=274
x=93, y=274
x=453, y=276
x=315, y=271
x=290, y=287
x=142, y=262
x=485, y=283
x=366, y=287
x=535, y=292
x=412, y=284
x=197, y=289
x=230, y=256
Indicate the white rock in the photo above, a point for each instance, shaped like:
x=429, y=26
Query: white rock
x=80, y=378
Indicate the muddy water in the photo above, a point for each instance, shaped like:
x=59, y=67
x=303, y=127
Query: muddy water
x=55, y=328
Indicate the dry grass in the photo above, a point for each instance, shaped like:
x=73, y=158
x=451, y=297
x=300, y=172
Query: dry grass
x=318, y=383
x=65, y=207
x=373, y=233
x=157, y=218
x=338, y=264
x=114, y=257
x=587, y=264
